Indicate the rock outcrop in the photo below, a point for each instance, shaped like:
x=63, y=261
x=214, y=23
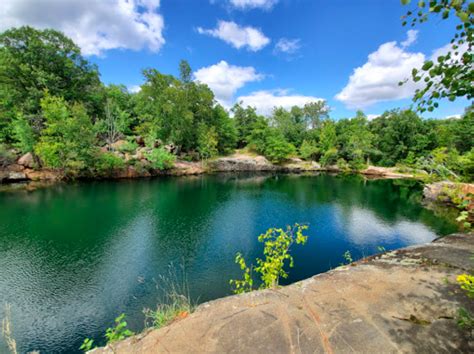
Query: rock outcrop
x=385, y=172
x=405, y=301
x=239, y=162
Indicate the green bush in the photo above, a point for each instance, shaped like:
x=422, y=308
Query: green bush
x=309, y=150
x=108, y=162
x=277, y=149
x=160, y=159
x=277, y=244
x=6, y=156
x=129, y=146
x=329, y=157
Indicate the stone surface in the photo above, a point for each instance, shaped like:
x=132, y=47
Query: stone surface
x=42, y=175
x=441, y=191
x=385, y=172
x=238, y=162
x=27, y=160
x=400, y=301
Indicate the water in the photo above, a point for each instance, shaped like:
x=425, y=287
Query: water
x=74, y=256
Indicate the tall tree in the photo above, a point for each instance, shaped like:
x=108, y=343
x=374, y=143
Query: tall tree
x=34, y=61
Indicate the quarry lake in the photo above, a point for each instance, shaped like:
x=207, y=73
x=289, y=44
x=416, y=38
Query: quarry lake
x=75, y=256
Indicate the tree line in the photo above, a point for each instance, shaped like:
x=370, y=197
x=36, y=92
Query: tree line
x=54, y=106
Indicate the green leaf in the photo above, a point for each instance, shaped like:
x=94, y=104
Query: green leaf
x=463, y=16
x=427, y=65
x=405, y=2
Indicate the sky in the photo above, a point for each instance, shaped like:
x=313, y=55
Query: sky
x=264, y=53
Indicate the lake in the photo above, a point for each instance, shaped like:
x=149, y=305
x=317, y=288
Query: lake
x=75, y=256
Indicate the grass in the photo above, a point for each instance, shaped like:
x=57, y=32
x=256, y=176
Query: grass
x=175, y=302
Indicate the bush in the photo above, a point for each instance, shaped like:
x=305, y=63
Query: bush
x=309, y=150
x=6, y=156
x=160, y=159
x=277, y=149
x=129, y=146
x=329, y=157
x=108, y=162
x=277, y=244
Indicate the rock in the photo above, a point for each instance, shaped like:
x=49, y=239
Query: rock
x=241, y=163
x=27, y=160
x=15, y=168
x=15, y=176
x=104, y=149
x=118, y=144
x=43, y=175
x=157, y=143
x=184, y=168
x=391, y=303
x=139, y=140
x=386, y=172
x=444, y=191
x=131, y=172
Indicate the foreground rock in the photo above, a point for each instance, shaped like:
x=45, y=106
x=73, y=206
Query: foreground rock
x=385, y=172
x=402, y=301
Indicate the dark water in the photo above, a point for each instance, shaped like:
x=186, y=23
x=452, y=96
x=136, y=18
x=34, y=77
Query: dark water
x=73, y=257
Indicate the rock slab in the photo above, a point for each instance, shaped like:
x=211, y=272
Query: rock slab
x=401, y=301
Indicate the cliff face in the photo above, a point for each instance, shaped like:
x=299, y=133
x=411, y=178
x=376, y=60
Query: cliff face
x=401, y=301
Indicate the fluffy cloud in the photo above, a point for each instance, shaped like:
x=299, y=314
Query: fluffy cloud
x=224, y=79
x=237, y=36
x=265, y=101
x=377, y=80
x=412, y=35
x=289, y=46
x=96, y=26
x=253, y=4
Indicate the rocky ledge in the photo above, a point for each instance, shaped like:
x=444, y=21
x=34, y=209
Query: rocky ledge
x=401, y=301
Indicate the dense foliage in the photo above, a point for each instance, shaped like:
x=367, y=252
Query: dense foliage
x=53, y=105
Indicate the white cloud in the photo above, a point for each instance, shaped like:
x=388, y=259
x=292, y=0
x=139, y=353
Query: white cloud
x=289, y=46
x=265, y=101
x=372, y=116
x=96, y=26
x=377, y=80
x=224, y=79
x=448, y=48
x=238, y=36
x=134, y=88
x=412, y=35
x=253, y=4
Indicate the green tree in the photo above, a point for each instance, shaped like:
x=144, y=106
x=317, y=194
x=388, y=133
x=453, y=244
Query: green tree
x=33, y=61
x=67, y=141
x=245, y=119
x=316, y=112
x=207, y=141
x=450, y=75
x=277, y=148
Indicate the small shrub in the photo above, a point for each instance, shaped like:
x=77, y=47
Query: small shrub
x=160, y=159
x=343, y=165
x=329, y=157
x=277, y=149
x=6, y=156
x=465, y=319
x=129, y=147
x=277, y=243
x=87, y=345
x=309, y=150
x=347, y=257
x=466, y=282
x=119, y=332
x=109, y=162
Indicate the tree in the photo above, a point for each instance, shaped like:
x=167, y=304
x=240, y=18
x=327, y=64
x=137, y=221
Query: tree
x=185, y=71
x=207, y=141
x=35, y=61
x=450, y=75
x=316, y=112
x=277, y=149
x=67, y=141
x=244, y=118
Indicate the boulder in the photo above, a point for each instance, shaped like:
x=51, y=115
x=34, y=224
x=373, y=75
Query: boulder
x=15, y=168
x=445, y=191
x=118, y=144
x=42, y=175
x=241, y=163
x=27, y=160
x=139, y=140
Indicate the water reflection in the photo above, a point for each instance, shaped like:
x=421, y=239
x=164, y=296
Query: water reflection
x=73, y=257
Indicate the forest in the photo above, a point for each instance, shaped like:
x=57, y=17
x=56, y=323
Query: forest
x=54, y=106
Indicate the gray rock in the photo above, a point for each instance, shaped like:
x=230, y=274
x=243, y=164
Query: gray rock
x=27, y=160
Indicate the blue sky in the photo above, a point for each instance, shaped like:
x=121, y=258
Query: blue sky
x=351, y=53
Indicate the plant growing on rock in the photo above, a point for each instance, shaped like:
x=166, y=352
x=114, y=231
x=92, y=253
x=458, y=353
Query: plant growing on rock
x=119, y=332
x=160, y=159
x=277, y=244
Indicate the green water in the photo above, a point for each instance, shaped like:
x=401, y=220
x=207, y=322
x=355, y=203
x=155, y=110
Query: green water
x=74, y=256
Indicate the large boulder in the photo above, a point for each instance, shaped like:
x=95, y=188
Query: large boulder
x=43, y=175
x=27, y=160
x=447, y=191
x=241, y=163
